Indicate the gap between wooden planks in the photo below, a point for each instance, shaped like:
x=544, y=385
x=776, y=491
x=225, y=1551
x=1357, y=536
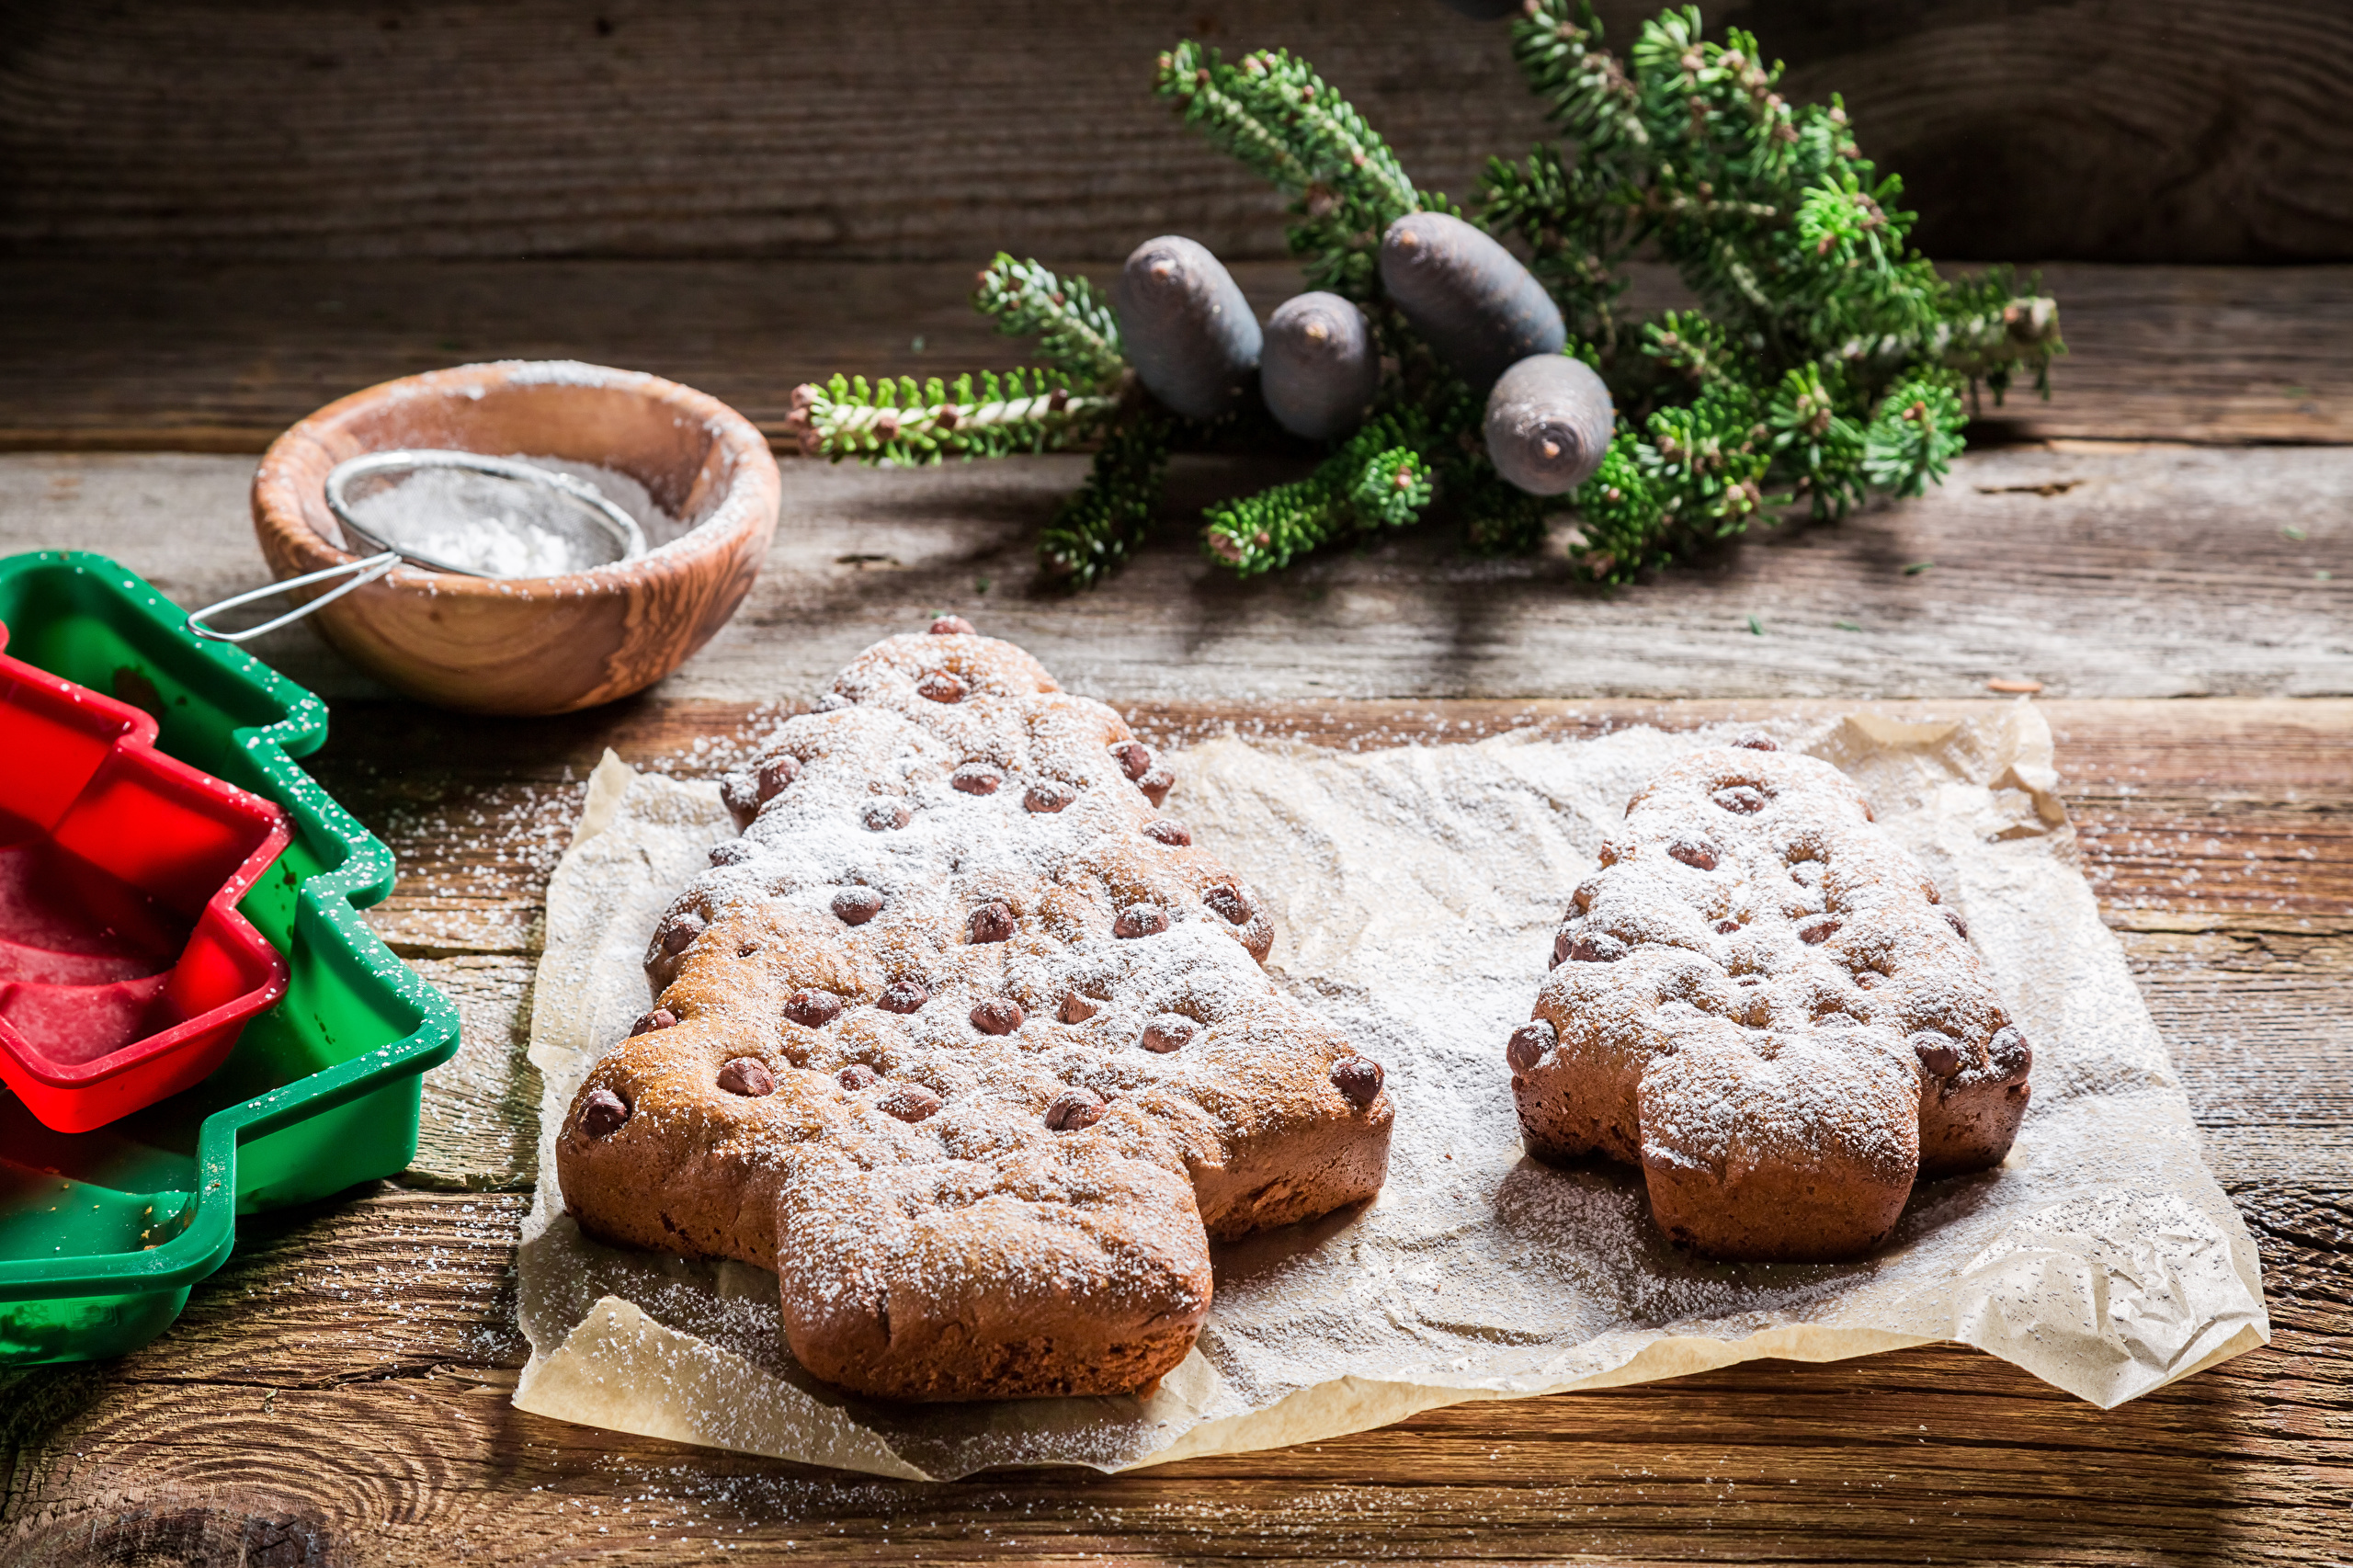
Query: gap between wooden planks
x=382, y=1329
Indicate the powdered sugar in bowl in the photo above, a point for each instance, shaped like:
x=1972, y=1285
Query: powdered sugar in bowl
x=692, y=474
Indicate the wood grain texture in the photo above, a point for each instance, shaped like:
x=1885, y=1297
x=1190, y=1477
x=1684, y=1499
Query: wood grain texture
x=379, y=1330
x=222, y=356
x=450, y=128
x=2101, y=570
x=2154, y=132
x=328, y=1332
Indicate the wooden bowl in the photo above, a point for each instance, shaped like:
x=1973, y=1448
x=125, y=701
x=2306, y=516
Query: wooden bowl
x=536, y=644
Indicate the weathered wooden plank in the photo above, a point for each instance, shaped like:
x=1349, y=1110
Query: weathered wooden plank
x=478, y=1127
x=2098, y=570
x=890, y=129
x=221, y=355
x=381, y=1332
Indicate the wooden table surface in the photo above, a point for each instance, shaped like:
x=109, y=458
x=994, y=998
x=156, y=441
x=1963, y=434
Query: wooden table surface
x=339, y=1392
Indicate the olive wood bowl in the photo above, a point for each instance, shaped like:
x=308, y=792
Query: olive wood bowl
x=532, y=644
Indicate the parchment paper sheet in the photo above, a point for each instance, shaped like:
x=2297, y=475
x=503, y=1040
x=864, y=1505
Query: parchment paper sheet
x=1415, y=893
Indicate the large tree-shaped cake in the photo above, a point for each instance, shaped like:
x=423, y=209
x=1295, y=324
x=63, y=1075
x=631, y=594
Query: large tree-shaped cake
x=968, y=1042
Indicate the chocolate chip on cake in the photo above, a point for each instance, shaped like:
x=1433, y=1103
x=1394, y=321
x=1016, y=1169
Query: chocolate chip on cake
x=1048, y=796
x=856, y=906
x=2010, y=1055
x=1596, y=946
x=775, y=774
x=1529, y=1043
x=1937, y=1053
x=1077, y=1008
x=733, y=852
x=997, y=1015
x=1700, y=857
x=992, y=921
x=951, y=626
x=976, y=778
x=908, y=1102
x=903, y=996
x=1819, y=929
x=1134, y=758
x=1073, y=1108
x=1727, y=927
x=1156, y=784
x=1165, y=830
x=1229, y=901
x=884, y=815
x=1169, y=1031
x=1953, y=919
x=812, y=1009
x=1758, y=743
x=1741, y=799
x=741, y=797
x=602, y=1112
x=941, y=686
x=679, y=931
x=660, y=1019
x=1140, y=920
x=1359, y=1079
x=856, y=1076
x=748, y=1076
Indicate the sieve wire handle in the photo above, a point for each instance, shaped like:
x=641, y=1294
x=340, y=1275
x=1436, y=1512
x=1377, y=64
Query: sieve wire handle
x=361, y=572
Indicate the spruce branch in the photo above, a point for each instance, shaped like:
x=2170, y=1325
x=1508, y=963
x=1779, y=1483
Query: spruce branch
x=895, y=420
x=1377, y=479
x=1913, y=437
x=1584, y=89
x=1698, y=350
x=1077, y=330
x=1578, y=224
x=1825, y=361
x=1706, y=461
x=1987, y=331
x=1498, y=518
x=1621, y=519
x=1276, y=115
x=1818, y=445
x=1096, y=529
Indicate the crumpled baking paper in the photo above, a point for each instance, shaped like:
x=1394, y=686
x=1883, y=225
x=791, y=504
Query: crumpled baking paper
x=1414, y=894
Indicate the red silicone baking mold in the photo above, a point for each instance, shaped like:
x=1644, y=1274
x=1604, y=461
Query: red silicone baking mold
x=126, y=971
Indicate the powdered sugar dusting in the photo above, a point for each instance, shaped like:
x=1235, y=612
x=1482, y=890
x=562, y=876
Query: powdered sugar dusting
x=1758, y=999
x=941, y=939
x=1414, y=894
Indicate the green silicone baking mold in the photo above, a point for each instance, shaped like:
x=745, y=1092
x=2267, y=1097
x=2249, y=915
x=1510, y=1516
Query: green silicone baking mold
x=103, y=1232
